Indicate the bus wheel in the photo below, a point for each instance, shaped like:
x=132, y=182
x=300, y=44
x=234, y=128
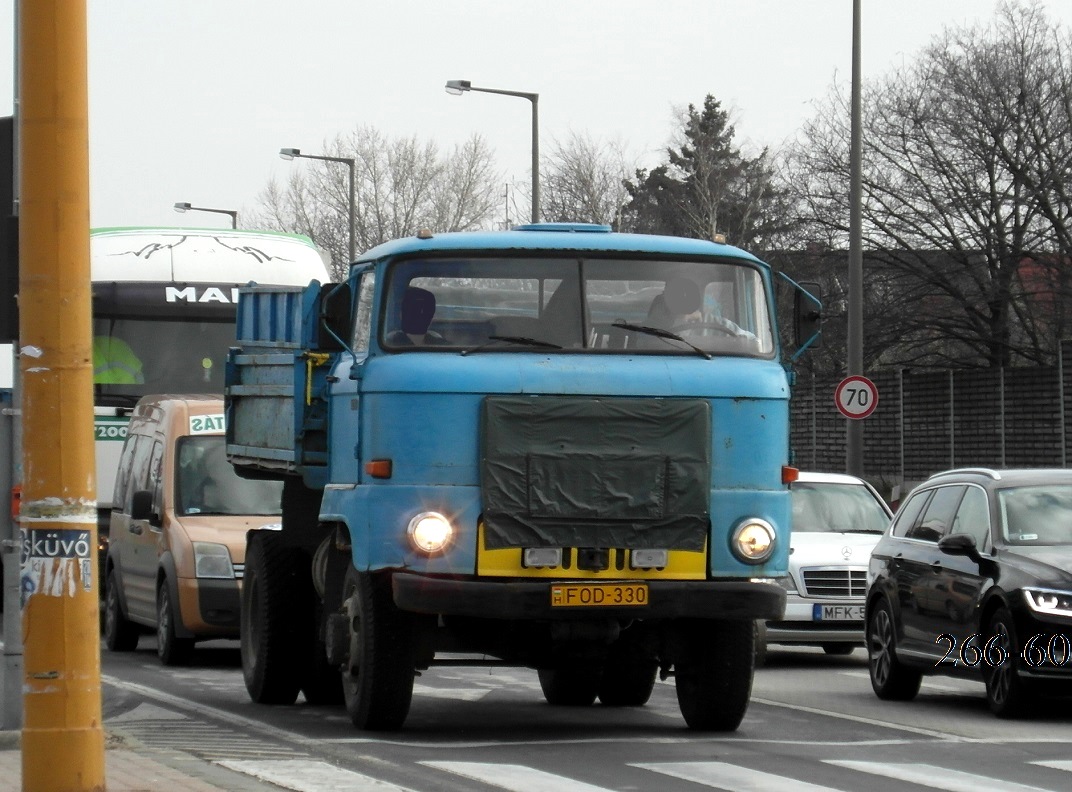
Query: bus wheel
x=713, y=665
x=569, y=687
x=272, y=660
x=378, y=674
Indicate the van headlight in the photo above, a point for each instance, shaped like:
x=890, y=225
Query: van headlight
x=430, y=532
x=212, y=560
x=753, y=540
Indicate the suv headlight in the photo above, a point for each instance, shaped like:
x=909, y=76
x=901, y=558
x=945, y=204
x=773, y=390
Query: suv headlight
x=753, y=540
x=1049, y=601
x=212, y=560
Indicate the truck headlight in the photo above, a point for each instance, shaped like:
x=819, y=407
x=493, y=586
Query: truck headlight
x=430, y=532
x=212, y=560
x=753, y=540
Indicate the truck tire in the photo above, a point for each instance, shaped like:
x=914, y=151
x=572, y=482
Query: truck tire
x=271, y=620
x=322, y=684
x=569, y=687
x=377, y=678
x=171, y=649
x=629, y=674
x=713, y=665
x=120, y=635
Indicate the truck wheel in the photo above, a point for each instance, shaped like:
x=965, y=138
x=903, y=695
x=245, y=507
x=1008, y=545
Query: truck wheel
x=377, y=678
x=120, y=635
x=891, y=679
x=171, y=649
x=761, y=643
x=322, y=684
x=568, y=687
x=272, y=659
x=629, y=673
x=713, y=664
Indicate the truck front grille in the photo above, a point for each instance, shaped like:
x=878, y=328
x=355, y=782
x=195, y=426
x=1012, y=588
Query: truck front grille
x=835, y=582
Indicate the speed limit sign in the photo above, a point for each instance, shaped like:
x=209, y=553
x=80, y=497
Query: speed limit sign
x=856, y=397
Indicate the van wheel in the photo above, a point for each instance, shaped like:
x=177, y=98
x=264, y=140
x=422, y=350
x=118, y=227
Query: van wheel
x=377, y=677
x=120, y=635
x=171, y=649
x=569, y=687
x=271, y=629
x=713, y=665
x=891, y=679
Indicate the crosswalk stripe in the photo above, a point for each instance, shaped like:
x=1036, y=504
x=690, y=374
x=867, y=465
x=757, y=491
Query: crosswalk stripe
x=310, y=776
x=1056, y=764
x=516, y=778
x=933, y=776
x=730, y=777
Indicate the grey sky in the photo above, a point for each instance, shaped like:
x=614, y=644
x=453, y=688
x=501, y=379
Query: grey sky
x=191, y=101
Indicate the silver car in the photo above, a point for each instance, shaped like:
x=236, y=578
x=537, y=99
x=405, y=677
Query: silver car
x=837, y=520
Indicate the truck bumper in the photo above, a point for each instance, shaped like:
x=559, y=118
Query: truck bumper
x=513, y=599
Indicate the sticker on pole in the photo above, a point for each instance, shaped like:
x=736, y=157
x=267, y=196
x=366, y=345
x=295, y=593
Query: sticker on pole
x=856, y=397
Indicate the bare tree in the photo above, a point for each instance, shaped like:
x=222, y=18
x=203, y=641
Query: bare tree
x=584, y=180
x=402, y=185
x=966, y=164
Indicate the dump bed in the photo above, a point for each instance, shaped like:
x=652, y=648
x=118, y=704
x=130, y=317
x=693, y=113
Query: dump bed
x=267, y=386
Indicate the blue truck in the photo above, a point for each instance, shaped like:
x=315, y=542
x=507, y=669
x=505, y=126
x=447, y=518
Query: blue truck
x=556, y=447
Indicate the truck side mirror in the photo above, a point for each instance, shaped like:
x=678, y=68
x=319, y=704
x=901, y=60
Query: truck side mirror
x=335, y=316
x=808, y=315
x=141, y=505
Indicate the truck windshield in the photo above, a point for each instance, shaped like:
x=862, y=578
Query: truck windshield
x=593, y=304
x=207, y=483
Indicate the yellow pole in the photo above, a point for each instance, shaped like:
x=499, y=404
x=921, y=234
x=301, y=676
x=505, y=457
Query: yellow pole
x=62, y=737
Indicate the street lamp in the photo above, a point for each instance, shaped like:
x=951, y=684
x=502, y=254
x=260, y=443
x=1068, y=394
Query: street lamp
x=185, y=207
x=293, y=153
x=458, y=87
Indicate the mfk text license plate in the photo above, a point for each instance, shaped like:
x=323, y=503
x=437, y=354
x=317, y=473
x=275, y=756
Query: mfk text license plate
x=837, y=613
x=608, y=595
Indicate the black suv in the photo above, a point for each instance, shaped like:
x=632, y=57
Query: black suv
x=974, y=578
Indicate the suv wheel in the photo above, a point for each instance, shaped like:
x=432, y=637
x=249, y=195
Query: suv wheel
x=891, y=679
x=1006, y=693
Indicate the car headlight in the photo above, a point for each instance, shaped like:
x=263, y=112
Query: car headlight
x=753, y=540
x=1049, y=601
x=430, y=532
x=212, y=560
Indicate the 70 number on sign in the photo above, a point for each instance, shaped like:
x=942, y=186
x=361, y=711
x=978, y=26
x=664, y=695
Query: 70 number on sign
x=856, y=397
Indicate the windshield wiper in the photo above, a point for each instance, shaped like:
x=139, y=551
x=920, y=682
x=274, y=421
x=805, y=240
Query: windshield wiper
x=523, y=340
x=658, y=332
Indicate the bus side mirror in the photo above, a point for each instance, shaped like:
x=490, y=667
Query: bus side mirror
x=808, y=315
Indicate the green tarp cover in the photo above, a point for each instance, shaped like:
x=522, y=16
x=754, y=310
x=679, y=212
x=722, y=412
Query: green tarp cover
x=561, y=471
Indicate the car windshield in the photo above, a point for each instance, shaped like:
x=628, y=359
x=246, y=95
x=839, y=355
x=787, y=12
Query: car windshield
x=208, y=484
x=836, y=508
x=1036, y=515
x=602, y=305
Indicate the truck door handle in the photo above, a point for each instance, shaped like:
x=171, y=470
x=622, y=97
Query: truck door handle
x=136, y=529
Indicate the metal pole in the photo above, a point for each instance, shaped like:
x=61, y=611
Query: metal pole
x=1061, y=402
x=1001, y=411
x=535, y=98
x=62, y=736
x=952, y=424
x=901, y=433
x=854, y=429
x=353, y=203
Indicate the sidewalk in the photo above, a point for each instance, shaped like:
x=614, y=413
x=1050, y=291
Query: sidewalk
x=132, y=767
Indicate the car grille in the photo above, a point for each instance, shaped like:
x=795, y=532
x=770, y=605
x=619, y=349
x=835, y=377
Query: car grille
x=835, y=582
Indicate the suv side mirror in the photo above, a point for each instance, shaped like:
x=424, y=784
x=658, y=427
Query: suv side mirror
x=960, y=545
x=141, y=505
x=808, y=314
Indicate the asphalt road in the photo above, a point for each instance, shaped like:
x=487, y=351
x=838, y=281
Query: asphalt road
x=813, y=724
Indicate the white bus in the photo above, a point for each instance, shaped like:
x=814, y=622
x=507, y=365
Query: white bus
x=163, y=316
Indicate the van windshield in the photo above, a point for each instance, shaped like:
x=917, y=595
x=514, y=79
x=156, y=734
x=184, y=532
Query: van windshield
x=206, y=483
x=603, y=305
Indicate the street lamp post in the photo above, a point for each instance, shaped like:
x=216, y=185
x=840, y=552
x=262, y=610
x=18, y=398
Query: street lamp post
x=458, y=87
x=185, y=207
x=293, y=153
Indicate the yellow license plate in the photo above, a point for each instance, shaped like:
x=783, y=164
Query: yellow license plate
x=577, y=595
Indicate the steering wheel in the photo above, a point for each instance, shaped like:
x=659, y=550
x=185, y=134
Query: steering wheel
x=703, y=326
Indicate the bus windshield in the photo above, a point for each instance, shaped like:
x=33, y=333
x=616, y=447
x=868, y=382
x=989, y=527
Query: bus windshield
x=601, y=305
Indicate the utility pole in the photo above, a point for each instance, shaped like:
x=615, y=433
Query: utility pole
x=62, y=736
x=854, y=437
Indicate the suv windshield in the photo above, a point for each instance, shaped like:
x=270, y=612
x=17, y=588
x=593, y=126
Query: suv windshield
x=836, y=508
x=595, y=305
x=1039, y=515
